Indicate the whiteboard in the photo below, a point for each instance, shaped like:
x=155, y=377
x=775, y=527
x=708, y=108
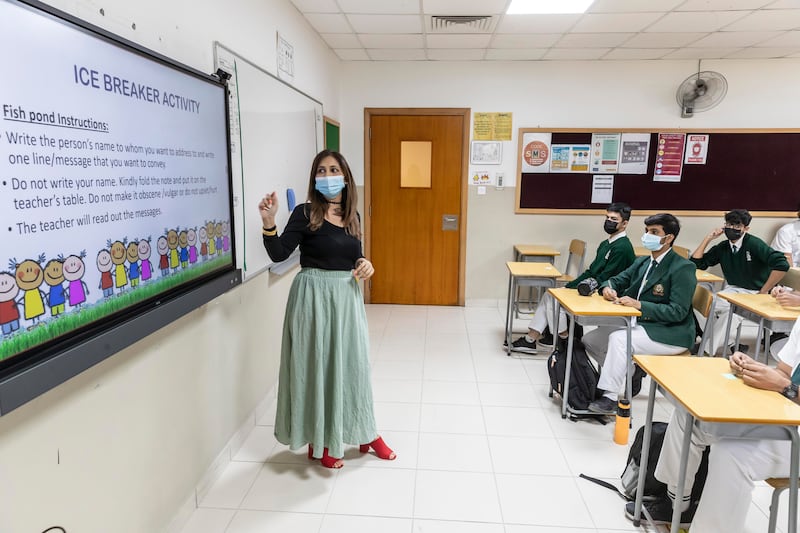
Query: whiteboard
x=276, y=130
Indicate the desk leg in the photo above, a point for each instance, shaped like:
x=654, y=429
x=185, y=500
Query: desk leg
x=794, y=470
x=758, y=341
x=648, y=430
x=687, y=441
x=509, y=317
x=629, y=373
x=727, y=336
x=565, y=392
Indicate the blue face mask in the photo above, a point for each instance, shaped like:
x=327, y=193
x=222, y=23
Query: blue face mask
x=330, y=187
x=651, y=242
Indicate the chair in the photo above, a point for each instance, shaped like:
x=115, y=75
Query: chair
x=703, y=303
x=778, y=484
x=681, y=251
x=575, y=260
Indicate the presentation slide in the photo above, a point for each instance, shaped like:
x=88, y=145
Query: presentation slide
x=114, y=179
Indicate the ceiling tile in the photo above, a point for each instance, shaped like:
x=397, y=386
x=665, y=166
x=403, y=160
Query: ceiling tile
x=662, y=40
x=590, y=40
x=328, y=23
x=316, y=6
x=341, y=40
x=695, y=21
x=632, y=6
x=763, y=53
x=392, y=7
x=458, y=41
x=779, y=19
x=785, y=4
x=638, y=53
x=733, y=39
x=700, y=53
x=386, y=23
x=506, y=54
x=615, y=22
x=722, y=5
x=789, y=38
x=464, y=7
x=536, y=23
x=575, y=53
x=352, y=54
x=403, y=40
x=383, y=54
x=523, y=40
x=453, y=54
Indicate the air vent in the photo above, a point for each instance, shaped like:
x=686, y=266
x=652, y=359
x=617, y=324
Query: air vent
x=461, y=24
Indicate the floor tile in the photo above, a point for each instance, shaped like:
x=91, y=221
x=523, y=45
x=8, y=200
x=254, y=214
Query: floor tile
x=291, y=488
x=461, y=496
x=208, y=521
x=519, y=455
x=516, y=421
x=450, y=392
x=446, y=526
x=448, y=369
x=453, y=452
x=232, y=486
x=435, y=418
x=246, y=521
x=395, y=416
x=373, y=492
x=540, y=500
x=508, y=394
x=333, y=523
x=390, y=369
x=396, y=390
x=258, y=446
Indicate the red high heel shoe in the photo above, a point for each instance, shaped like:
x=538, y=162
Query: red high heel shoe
x=381, y=449
x=327, y=461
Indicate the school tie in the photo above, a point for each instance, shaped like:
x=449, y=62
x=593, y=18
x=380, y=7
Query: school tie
x=734, y=248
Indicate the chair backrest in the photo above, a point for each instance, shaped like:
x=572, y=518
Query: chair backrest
x=575, y=259
x=792, y=279
x=681, y=251
x=703, y=303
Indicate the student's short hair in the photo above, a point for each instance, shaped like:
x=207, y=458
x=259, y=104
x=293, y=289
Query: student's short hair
x=738, y=216
x=623, y=209
x=666, y=221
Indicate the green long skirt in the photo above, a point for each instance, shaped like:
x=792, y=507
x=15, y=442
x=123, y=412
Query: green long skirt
x=324, y=387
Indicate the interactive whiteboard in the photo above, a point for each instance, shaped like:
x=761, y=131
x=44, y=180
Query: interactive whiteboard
x=276, y=131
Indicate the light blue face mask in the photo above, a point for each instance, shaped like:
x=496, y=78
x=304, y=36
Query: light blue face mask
x=329, y=187
x=651, y=242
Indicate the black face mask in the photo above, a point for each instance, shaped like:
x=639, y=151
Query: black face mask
x=733, y=235
x=610, y=227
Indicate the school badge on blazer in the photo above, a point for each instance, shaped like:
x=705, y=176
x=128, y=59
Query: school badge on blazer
x=658, y=290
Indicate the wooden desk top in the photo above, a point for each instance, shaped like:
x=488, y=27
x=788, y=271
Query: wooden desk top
x=763, y=305
x=594, y=305
x=704, y=276
x=522, y=269
x=536, y=249
x=707, y=389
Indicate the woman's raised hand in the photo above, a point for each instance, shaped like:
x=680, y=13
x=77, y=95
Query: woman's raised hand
x=267, y=208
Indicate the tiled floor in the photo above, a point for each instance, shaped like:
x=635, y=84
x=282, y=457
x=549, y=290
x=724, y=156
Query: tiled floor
x=481, y=448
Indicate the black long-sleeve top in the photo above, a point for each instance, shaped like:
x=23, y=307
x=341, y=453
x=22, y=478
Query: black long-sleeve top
x=328, y=248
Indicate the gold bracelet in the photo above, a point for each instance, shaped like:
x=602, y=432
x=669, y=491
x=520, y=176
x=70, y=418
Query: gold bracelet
x=269, y=232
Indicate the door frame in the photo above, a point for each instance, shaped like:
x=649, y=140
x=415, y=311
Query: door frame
x=464, y=112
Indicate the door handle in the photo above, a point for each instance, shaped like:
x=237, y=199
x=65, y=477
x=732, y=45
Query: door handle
x=449, y=222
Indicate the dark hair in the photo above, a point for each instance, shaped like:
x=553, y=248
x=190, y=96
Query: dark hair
x=319, y=204
x=666, y=221
x=738, y=216
x=622, y=208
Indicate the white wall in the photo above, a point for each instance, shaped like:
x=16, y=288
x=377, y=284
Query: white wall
x=632, y=94
x=122, y=446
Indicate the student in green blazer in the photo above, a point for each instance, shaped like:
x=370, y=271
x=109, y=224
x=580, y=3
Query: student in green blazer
x=661, y=287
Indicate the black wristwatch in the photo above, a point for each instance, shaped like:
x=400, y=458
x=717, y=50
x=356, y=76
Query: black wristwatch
x=790, y=391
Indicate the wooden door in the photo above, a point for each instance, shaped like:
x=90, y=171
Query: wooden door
x=416, y=260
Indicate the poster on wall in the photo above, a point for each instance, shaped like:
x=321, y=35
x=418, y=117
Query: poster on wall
x=669, y=157
x=634, y=153
x=536, y=152
x=605, y=153
x=569, y=158
x=602, y=189
x=696, y=149
x=491, y=126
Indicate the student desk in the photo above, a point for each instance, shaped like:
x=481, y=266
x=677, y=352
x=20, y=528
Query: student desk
x=703, y=388
x=704, y=276
x=535, y=253
x=591, y=310
x=522, y=274
x=763, y=309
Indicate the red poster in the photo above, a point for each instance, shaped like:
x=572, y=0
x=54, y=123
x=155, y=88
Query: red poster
x=669, y=157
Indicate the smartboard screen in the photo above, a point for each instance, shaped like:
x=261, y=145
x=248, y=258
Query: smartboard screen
x=114, y=181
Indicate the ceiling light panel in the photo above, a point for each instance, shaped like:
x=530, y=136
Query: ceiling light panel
x=547, y=7
x=390, y=7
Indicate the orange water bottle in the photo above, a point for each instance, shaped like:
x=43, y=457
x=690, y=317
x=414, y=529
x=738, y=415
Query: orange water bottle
x=623, y=422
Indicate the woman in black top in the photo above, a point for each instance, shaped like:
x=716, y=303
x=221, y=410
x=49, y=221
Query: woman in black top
x=324, y=387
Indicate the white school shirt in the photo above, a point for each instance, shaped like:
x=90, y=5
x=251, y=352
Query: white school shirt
x=787, y=241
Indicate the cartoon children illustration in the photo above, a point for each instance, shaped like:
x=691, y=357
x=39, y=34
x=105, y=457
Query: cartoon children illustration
x=118, y=258
x=218, y=237
x=30, y=275
x=9, y=308
x=132, y=255
x=54, y=277
x=203, y=234
x=191, y=240
x=104, y=265
x=226, y=240
x=74, y=269
x=163, y=248
x=183, y=244
x=144, y=257
x=212, y=242
x=172, y=242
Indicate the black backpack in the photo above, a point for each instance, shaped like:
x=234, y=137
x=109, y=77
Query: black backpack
x=653, y=488
x=582, y=378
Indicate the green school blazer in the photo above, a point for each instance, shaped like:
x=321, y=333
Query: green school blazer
x=666, y=297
